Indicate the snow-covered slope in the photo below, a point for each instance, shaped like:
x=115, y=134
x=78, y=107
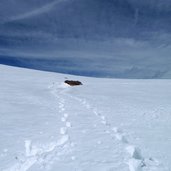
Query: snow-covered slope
x=104, y=125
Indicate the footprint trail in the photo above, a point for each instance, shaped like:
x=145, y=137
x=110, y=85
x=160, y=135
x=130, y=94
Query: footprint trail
x=136, y=161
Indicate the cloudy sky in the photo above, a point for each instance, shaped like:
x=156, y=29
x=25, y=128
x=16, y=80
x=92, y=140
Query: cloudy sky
x=113, y=38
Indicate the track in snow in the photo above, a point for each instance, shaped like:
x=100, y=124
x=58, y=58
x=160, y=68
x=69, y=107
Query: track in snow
x=40, y=154
x=136, y=161
x=45, y=155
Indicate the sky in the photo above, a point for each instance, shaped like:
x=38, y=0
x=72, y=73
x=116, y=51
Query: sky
x=114, y=38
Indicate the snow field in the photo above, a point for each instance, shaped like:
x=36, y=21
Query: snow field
x=106, y=127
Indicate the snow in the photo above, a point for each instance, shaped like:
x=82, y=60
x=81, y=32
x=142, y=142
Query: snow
x=104, y=125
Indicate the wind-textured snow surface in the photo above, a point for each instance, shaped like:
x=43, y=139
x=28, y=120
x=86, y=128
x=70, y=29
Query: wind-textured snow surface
x=104, y=125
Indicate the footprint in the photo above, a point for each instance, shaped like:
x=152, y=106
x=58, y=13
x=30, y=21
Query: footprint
x=104, y=122
x=62, y=109
x=63, y=119
x=63, y=140
x=28, y=145
x=84, y=102
x=63, y=130
x=103, y=117
x=61, y=105
x=68, y=124
x=73, y=158
x=134, y=152
x=116, y=130
x=121, y=138
x=88, y=106
x=96, y=113
x=107, y=132
x=72, y=144
x=135, y=165
x=65, y=115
